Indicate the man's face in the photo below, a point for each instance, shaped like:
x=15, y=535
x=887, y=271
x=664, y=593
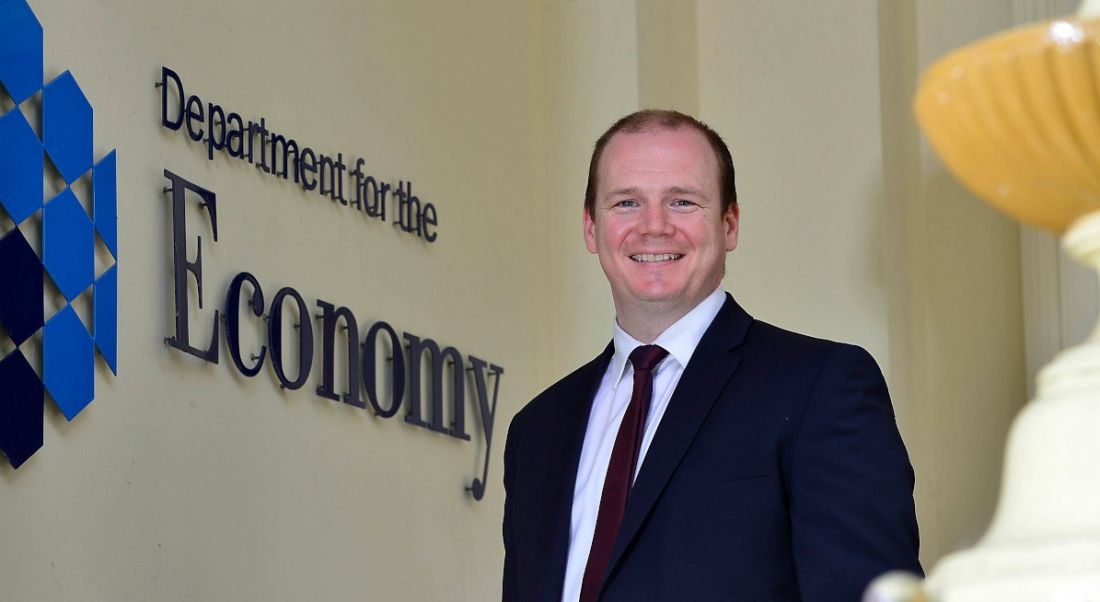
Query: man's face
x=658, y=226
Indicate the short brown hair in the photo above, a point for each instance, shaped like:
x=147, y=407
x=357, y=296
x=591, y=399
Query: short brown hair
x=657, y=119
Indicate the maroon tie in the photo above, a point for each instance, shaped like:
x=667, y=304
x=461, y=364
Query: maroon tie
x=620, y=470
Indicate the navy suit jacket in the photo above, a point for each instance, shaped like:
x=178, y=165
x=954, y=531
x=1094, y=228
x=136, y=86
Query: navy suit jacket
x=777, y=473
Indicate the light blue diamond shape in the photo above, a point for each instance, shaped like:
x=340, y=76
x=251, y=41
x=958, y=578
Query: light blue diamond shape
x=68, y=244
x=104, y=203
x=105, y=325
x=21, y=165
x=67, y=127
x=68, y=362
x=20, y=50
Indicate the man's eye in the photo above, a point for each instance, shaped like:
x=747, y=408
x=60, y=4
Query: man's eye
x=626, y=203
x=683, y=203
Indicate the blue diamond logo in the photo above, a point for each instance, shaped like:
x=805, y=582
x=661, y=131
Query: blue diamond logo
x=67, y=127
x=21, y=166
x=20, y=50
x=68, y=236
x=69, y=356
x=68, y=246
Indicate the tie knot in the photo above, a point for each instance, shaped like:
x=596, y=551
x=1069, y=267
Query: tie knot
x=645, y=357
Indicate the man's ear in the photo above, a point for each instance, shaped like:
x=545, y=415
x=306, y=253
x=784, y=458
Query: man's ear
x=732, y=223
x=589, y=232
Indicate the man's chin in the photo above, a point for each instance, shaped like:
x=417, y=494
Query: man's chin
x=657, y=301
x=665, y=299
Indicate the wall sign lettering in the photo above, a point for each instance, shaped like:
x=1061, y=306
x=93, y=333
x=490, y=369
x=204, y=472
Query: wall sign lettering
x=408, y=362
x=284, y=157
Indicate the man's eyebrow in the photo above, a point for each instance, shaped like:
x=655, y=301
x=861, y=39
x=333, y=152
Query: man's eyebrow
x=634, y=190
x=683, y=190
x=631, y=190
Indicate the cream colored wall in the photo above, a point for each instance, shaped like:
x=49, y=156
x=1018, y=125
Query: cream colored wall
x=962, y=324
x=591, y=75
x=184, y=481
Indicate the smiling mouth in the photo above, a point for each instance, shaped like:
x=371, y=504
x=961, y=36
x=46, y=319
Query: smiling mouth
x=655, y=257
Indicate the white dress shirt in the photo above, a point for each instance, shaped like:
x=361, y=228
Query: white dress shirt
x=608, y=409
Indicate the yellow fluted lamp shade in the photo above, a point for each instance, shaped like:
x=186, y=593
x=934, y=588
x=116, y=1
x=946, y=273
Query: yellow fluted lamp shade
x=1016, y=118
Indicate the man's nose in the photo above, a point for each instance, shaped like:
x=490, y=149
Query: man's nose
x=656, y=219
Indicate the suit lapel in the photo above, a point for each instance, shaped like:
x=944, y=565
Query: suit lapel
x=575, y=406
x=713, y=363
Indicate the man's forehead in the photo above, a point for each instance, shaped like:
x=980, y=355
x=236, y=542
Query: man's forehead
x=681, y=149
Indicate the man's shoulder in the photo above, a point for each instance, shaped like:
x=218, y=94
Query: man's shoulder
x=767, y=341
x=769, y=345
x=571, y=387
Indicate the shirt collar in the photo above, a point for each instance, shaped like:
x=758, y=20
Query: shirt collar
x=680, y=339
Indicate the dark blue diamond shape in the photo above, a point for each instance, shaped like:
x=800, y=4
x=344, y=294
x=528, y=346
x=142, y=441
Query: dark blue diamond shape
x=105, y=325
x=20, y=50
x=21, y=165
x=67, y=127
x=69, y=362
x=104, y=206
x=68, y=244
x=20, y=288
x=20, y=409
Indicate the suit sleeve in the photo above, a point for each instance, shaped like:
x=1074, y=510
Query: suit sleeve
x=510, y=590
x=850, y=483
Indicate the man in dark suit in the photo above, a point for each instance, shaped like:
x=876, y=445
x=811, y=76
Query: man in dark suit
x=704, y=455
